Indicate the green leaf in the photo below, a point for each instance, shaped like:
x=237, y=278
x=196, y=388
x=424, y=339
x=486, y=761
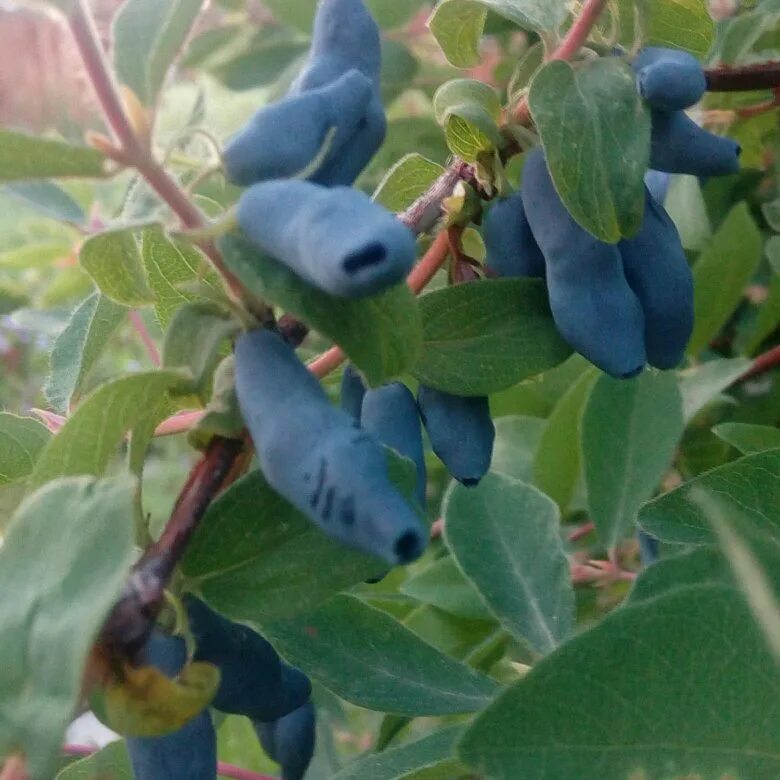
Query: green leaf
x=516, y=559
x=21, y=441
x=424, y=759
x=772, y=251
x=469, y=111
x=409, y=178
x=87, y=441
x=682, y=24
x=481, y=338
x=558, y=460
x=747, y=438
x=630, y=430
x=263, y=63
x=48, y=199
x=399, y=67
x=601, y=182
x=381, y=334
x=170, y=265
x=457, y=25
x=113, y=260
x=516, y=444
x=685, y=205
x=364, y=656
x=721, y=274
x=25, y=156
x=62, y=565
x=39, y=255
x=750, y=485
x=148, y=35
x=194, y=340
x=79, y=346
x=703, y=384
x=688, y=675
x=256, y=557
x=740, y=34
x=443, y=585
x=110, y=763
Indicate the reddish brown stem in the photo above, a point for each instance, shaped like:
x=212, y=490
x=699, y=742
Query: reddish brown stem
x=747, y=112
x=763, y=363
x=743, y=78
x=128, y=625
x=146, y=339
x=82, y=26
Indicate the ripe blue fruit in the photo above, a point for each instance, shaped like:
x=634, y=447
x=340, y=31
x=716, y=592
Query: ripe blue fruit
x=390, y=414
x=511, y=247
x=649, y=548
x=290, y=741
x=316, y=456
x=345, y=36
x=352, y=391
x=657, y=183
x=343, y=167
x=336, y=239
x=679, y=145
x=658, y=273
x=594, y=308
x=254, y=682
x=191, y=751
x=461, y=432
x=669, y=79
x=282, y=139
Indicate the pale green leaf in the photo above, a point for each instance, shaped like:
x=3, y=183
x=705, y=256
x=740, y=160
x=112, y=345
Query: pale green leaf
x=21, y=441
x=595, y=129
x=113, y=260
x=62, y=565
x=79, y=346
x=516, y=559
x=722, y=272
x=481, y=338
x=25, y=156
x=630, y=431
x=366, y=657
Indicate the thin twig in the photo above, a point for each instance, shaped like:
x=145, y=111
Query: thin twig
x=140, y=328
x=763, y=363
x=743, y=78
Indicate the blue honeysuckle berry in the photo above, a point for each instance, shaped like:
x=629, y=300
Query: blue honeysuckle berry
x=461, y=432
x=594, y=307
x=191, y=751
x=254, y=681
x=337, y=239
x=390, y=414
x=316, y=455
x=284, y=138
x=669, y=79
x=510, y=245
x=290, y=741
x=658, y=272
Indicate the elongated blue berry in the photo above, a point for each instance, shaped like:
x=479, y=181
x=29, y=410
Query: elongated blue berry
x=511, y=247
x=317, y=457
x=345, y=36
x=390, y=414
x=290, y=741
x=679, y=145
x=254, y=681
x=669, y=79
x=658, y=272
x=657, y=183
x=461, y=432
x=343, y=167
x=336, y=239
x=284, y=138
x=594, y=307
x=352, y=391
x=191, y=751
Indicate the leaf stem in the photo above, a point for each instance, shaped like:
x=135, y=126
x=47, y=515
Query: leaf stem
x=148, y=342
x=763, y=363
x=743, y=78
